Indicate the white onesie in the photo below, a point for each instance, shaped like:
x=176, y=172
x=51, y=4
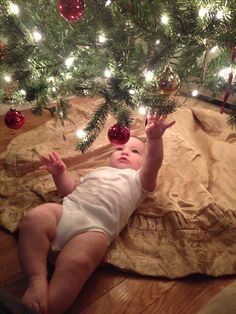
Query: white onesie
x=104, y=201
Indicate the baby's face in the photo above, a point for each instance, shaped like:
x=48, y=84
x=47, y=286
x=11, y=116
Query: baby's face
x=128, y=155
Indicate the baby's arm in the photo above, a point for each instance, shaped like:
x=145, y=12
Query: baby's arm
x=54, y=164
x=155, y=128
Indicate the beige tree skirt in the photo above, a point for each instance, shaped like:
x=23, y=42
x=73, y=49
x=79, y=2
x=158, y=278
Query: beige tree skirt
x=188, y=225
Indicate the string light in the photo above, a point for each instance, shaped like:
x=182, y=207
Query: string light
x=224, y=73
x=131, y=91
x=219, y=15
x=107, y=73
x=14, y=9
x=142, y=110
x=149, y=75
x=37, y=36
x=164, y=19
x=69, y=61
x=202, y=12
x=214, y=49
x=195, y=92
x=81, y=134
x=23, y=92
x=157, y=42
x=102, y=38
x=7, y=78
x=108, y=2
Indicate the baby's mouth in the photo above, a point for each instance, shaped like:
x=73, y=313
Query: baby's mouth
x=123, y=159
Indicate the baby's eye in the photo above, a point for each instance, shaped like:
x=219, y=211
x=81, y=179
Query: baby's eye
x=119, y=148
x=135, y=151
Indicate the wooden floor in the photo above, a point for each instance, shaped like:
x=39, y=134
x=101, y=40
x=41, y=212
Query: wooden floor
x=110, y=290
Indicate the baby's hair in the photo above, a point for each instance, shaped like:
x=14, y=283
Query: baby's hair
x=142, y=139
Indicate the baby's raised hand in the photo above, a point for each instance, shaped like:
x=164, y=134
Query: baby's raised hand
x=53, y=164
x=156, y=126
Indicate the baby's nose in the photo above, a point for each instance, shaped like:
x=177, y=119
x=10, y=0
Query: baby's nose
x=124, y=152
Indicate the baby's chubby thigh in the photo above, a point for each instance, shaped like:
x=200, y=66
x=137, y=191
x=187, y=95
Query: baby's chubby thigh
x=44, y=218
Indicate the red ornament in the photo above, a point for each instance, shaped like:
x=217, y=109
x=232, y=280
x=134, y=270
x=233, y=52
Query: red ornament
x=118, y=134
x=71, y=10
x=14, y=119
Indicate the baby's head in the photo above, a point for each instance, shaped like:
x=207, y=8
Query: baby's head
x=129, y=155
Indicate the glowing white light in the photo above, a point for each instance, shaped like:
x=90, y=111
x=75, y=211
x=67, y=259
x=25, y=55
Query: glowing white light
x=81, y=134
x=37, y=36
x=107, y=73
x=164, y=19
x=214, y=49
x=102, y=38
x=7, y=78
x=225, y=72
x=69, y=61
x=202, y=12
x=131, y=91
x=54, y=89
x=14, y=8
x=108, y=2
x=142, y=110
x=219, y=15
x=51, y=79
x=195, y=92
x=68, y=76
x=158, y=41
x=149, y=75
x=23, y=92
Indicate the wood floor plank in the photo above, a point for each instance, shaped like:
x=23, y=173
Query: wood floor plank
x=188, y=295
x=103, y=280
x=130, y=296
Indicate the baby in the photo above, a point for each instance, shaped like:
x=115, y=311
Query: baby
x=94, y=211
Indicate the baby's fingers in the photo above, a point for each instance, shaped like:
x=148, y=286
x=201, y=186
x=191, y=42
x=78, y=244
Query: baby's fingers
x=163, y=117
x=169, y=124
x=56, y=156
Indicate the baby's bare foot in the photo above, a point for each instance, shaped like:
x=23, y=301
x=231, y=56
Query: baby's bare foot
x=36, y=295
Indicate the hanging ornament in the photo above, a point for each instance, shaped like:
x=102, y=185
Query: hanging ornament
x=168, y=82
x=118, y=134
x=14, y=119
x=2, y=50
x=71, y=10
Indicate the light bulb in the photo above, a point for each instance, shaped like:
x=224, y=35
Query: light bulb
x=37, y=36
x=225, y=72
x=69, y=61
x=131, y=91
x=14, y=8
x=7, y=78
x=102, y=38
x=214, y=49
x=142, y=110
x=107, y=73
x=195, y=92
x=164, y=19
x=81, y=134
x=202, y=12
x=108, y=2
x=157, y=42
x=149, y=75
x=219, y=15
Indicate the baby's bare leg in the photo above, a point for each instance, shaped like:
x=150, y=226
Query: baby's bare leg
x=75, y=264
x=37, y=230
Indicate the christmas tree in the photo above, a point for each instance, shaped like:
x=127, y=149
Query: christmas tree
x=134, y=54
